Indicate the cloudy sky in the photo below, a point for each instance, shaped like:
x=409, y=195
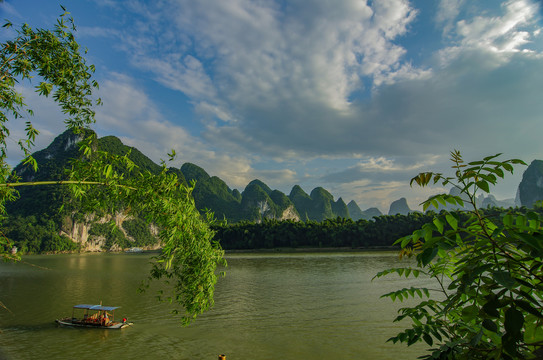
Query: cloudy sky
x=356, y=96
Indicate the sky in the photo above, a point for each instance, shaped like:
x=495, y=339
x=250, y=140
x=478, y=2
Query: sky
x=355, y=96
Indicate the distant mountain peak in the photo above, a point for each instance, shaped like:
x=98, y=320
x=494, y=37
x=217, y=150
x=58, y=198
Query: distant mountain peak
x=399, y=207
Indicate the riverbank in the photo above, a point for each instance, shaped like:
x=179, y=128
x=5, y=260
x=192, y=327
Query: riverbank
x=284, y=250
x=313, y=250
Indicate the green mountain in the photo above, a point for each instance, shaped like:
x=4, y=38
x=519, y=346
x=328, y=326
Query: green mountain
x=211, y=193
x=259, y=201
x=194, y=172
x=302, y=202
x=36, y=222
x=256, y=202
x=339, y=208
x=317, y=206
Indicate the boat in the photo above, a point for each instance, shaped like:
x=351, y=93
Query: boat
x=134, y=250
x=94, y=316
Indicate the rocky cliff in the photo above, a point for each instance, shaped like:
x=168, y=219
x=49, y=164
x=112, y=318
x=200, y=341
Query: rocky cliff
x=530, y=189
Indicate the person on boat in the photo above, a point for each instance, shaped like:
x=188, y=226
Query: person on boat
x=104, y=319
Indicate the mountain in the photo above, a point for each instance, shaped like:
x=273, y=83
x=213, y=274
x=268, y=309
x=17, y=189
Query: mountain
x=357, y=214
x=483, y=201
x=256, y=202
x=354, y=211
x=70, y=228
x=530, y=189
x=37, y=225
x=301, y=201
x=370, y=213
x=210, y=192
x=339, y=208
x=259, y=201
x=399, y=207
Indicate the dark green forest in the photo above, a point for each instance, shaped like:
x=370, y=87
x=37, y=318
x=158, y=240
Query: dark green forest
x=381, y=232
x=40, y=235
x=339, y=232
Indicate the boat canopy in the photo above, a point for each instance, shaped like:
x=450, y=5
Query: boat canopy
x=96, y=307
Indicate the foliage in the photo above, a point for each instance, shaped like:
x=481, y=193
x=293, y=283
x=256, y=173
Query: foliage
x=338, y=232
x=488, y=272
x=112, y=234
x=31, y=235
x=99, y=180
x=189, y=256
x=54, y=57
x=139, y=230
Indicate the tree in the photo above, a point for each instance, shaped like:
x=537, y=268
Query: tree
x=488, y=272
x=100, y=181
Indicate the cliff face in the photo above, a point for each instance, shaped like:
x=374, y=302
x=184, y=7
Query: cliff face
x=290, y=213
x=530, y=189
x=81, y=232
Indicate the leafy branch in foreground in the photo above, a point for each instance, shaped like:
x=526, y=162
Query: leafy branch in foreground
x=488, y=272
x=189, y=257
x=53, y=56
x=102, y=182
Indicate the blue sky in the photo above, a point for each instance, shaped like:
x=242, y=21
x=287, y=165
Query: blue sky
x=354, y=96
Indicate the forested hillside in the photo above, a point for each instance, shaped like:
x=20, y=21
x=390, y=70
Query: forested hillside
x=48, y=218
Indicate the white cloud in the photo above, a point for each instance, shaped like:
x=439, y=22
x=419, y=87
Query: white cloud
x=500, y=33
x=129, y=112
x=292, y=82
x=258, y=52
x=448, y=11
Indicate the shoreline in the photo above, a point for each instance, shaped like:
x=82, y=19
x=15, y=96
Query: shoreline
x=285, y=250
x=312, y=250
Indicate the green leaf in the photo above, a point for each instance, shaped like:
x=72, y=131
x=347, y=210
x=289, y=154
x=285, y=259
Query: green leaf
x=428, y=255
x=499, y=172
x=45, y=88
x=514, y=320
x=452, y=221
x=491, y=308
x=405, y=241
x=488, y=158
x=508, y=220
x=428, y=339
x=439, y=225
x=528, y=308
x=470, y=312
x=531, y=240
x=483, y=185
x=490, y=325
x=504, y=278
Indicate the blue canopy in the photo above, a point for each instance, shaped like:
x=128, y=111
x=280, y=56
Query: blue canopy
x=96, y=307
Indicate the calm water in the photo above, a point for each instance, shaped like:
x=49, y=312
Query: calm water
x=269, y=306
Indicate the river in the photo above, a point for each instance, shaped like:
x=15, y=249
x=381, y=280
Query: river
x=268, y=306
